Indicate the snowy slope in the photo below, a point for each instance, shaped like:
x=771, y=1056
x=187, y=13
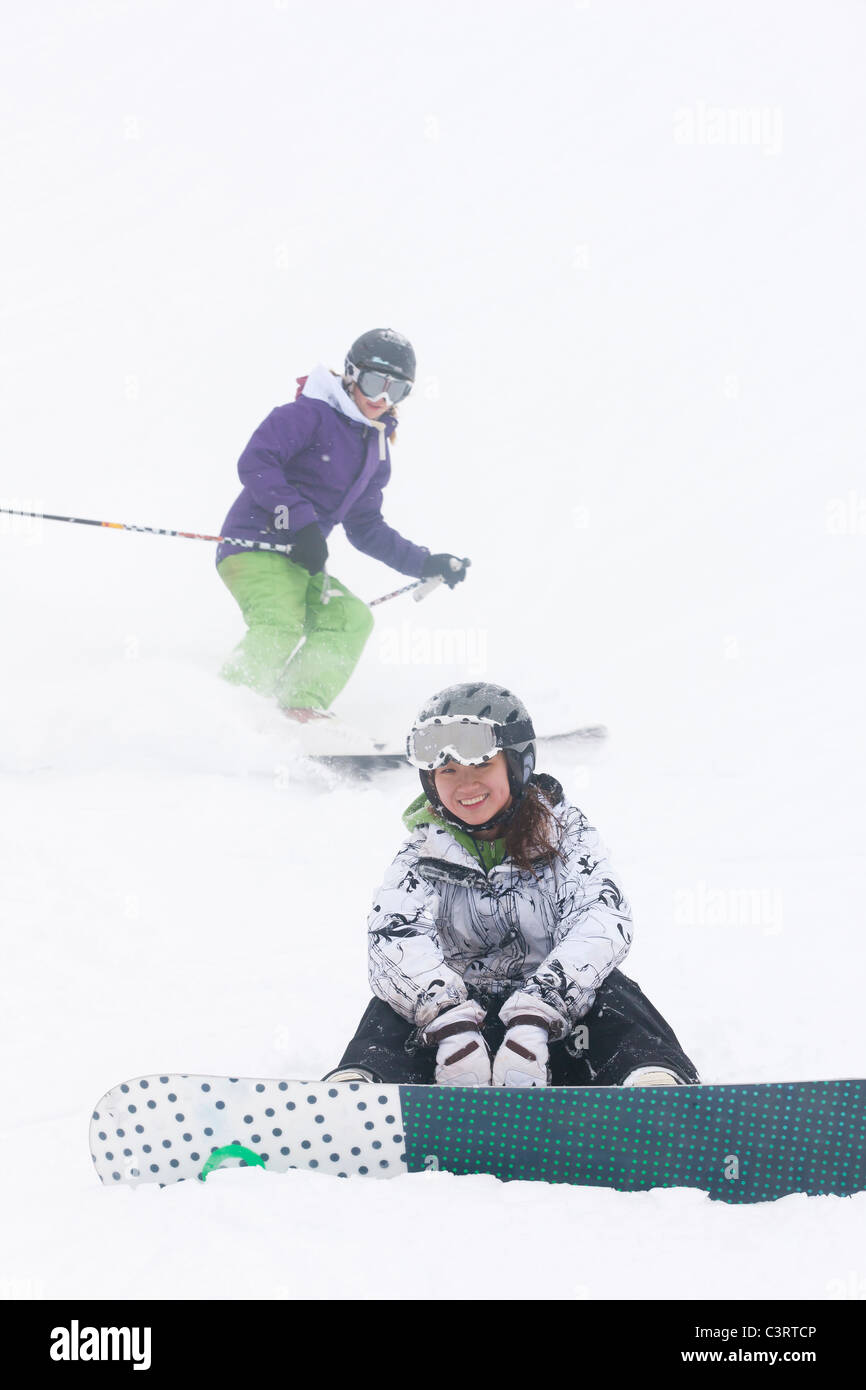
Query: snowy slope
x=627, y=245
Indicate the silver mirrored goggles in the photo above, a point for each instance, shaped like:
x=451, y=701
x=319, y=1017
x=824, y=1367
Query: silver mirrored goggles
x=465, y=739
x=376, y=385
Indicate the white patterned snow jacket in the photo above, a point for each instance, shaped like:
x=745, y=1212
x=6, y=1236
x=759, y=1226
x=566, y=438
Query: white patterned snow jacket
x=443, y=928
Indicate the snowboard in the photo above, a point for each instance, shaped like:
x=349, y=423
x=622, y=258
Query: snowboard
x=738, y=1143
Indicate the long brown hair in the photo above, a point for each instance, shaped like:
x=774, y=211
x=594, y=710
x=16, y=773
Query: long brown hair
x=534, y=832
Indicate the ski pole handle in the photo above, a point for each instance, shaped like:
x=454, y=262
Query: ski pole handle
x=426, y=587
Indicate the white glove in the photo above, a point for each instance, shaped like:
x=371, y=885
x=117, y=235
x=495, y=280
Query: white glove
x=522, y=1058
x=462, y=1055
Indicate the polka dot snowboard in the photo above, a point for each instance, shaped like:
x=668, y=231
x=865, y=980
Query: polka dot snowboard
x=170, y=1127
x=737, y=1143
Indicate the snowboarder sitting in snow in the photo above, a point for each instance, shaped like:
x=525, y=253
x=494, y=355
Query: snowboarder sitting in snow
x=323, y=459
x=495, y=937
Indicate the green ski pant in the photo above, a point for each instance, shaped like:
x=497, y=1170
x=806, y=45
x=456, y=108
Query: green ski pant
x=286, y=617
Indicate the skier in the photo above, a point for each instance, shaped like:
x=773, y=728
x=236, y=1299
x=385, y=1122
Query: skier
x=323, y=459
x=495, y=937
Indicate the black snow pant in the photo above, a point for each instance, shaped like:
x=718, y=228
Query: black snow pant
x=621, y=1032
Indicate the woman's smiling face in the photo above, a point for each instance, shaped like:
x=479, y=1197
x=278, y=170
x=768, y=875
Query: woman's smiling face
x=474, y=794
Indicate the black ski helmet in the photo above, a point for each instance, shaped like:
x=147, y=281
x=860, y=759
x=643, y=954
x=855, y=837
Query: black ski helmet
x=482, y=700
x=384, y=350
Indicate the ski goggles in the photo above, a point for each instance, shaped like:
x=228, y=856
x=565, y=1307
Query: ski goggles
x=375, y=384
x=464, y=739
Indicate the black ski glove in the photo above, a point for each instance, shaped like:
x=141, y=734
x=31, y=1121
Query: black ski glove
x=310, y=549
x=448, y=567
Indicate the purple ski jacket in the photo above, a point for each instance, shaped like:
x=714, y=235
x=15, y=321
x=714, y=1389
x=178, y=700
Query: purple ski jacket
x=318, y=459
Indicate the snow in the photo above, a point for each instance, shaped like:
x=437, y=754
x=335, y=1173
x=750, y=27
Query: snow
x=640, y=329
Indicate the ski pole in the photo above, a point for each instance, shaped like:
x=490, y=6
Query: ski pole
x=152, y=530
x=422, y=587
